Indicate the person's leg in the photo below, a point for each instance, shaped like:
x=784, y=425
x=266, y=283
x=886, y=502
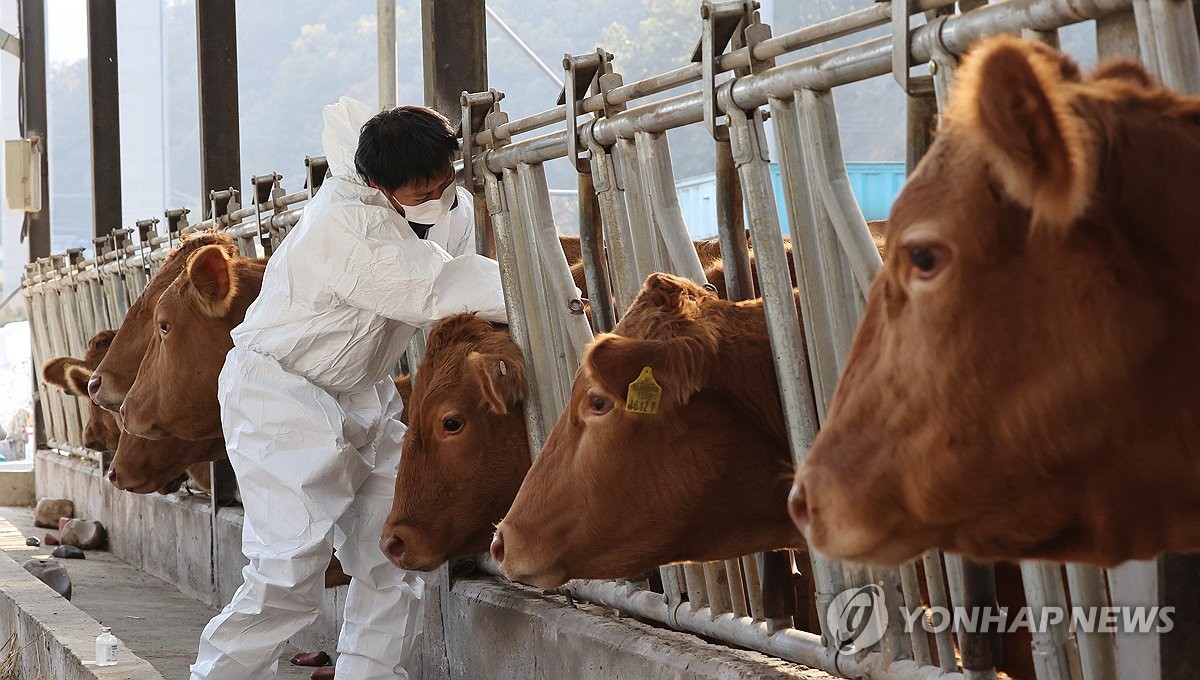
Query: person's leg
x=384, y=609
x=297, y=475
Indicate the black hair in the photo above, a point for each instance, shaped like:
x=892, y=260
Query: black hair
x=405, y=144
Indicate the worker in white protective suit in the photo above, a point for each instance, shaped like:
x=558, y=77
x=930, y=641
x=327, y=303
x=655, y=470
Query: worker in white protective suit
x=310, y=413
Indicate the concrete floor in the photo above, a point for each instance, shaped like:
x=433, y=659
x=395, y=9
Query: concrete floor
x=156, y=621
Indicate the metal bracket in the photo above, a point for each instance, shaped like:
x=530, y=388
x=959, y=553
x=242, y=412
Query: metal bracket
x=267, y=189
x=583, y=72
x=747, y=125
x=901, y=47
x=475, y=108
x=316, y=169
x=942, y=63
x=103, y=245
x=147, y=230
x=720, y=22
x=176, y=222
x=74, y=257
x=221, y=203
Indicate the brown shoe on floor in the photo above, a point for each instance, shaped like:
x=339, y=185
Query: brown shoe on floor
x=322, y=673
x=311, y=659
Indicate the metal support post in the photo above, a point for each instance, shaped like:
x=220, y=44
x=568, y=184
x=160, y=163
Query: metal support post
x=105, y=116
x=220, y=142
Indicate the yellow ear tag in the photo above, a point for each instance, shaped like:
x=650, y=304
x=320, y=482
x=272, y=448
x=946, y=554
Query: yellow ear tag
x=644, y=394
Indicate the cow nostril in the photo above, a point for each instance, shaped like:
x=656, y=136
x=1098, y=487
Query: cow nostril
x=798, y=506
x=498, y=548
x=393, y=547
x=112, y=477
x=94, y=385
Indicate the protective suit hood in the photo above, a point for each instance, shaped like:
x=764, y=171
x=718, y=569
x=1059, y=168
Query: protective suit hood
x=343, y=123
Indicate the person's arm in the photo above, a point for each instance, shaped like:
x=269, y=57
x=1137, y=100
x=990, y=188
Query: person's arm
x=413, y=280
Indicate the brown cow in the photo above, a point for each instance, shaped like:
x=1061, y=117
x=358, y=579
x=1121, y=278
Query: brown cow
x=1024, y=381
x=102, y=432
x=115, y=374
x=71, y=376
x=452, y=488
x=192, y=322
x=606, y=469
x=466, y=450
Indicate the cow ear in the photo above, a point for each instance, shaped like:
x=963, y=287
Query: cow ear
x=54, y=372
x=501, y=377
x=404, y=387
x=1013, y=98
x=77, y=379
x=210, y=270
x=679, y=365
x=1125, y=70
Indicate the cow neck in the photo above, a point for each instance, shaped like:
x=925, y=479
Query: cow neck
x=745, y=370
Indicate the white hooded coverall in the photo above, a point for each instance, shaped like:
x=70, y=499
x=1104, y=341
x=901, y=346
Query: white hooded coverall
x=311, y=416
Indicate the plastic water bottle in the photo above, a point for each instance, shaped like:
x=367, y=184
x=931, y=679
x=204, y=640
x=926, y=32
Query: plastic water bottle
x=107, y=646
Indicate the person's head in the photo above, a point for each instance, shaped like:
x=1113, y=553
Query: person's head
x=408, y=154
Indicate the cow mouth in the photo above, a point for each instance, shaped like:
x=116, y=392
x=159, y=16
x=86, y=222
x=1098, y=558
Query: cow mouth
x=540, y=576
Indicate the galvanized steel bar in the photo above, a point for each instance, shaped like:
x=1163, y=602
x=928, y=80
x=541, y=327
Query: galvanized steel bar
x=1175, y=39
x=840, y=290
x=833, y=185
x=617, y=232
x=919, y=642
x=567, y=306
x=645, y=241
x=385, y=47
x=731, y=226
x=662, y=203
x=979, y=596
x=568, y=332
x=1055, y=655
x=795, y=645
x=518, y=324
x=716, y=584
x=805, y=225
x=737, y=587
x=935, y=585
x=542, y=336
x=1097, y=649
x=595, y=264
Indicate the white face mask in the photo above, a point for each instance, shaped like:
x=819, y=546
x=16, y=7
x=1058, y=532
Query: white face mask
x=432, y=210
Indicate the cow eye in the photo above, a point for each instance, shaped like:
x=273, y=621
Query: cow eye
x=926, y=260
x=598, y=405
x=452, y=425
x=164, y=327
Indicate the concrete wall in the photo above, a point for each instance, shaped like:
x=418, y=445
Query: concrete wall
x=474, y=627
x=53, y=637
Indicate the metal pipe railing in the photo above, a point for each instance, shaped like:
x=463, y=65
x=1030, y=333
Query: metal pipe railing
x=821, y=72
x=766, y=50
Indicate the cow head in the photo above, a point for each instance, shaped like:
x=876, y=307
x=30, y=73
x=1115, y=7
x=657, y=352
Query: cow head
x=71, y=375
x=632, y=475
x=161, y=465
x=175, y=393
x=114, y=375
x=466, y=450
x=1023, y=383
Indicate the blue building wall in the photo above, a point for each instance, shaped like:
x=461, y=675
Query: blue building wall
x=875, y=185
